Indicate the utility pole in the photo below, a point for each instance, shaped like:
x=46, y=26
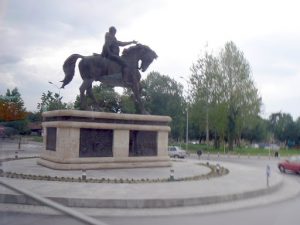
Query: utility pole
x=187, y=115
x=187, y=128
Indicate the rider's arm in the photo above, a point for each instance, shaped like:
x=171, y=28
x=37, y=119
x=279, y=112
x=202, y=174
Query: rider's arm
x=121, y=43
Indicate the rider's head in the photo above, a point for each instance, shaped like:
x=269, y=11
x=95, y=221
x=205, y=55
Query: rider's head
x=112, y=30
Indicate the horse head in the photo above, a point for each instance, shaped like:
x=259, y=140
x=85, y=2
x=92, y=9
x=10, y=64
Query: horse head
x=143, y=53
x=147, y=57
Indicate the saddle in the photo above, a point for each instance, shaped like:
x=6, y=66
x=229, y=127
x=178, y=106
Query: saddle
x=115, y=79
x=97, y=54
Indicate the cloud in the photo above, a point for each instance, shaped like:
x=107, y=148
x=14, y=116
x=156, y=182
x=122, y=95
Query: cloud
x=9, y=59
x=276, y=71
x=37, y=36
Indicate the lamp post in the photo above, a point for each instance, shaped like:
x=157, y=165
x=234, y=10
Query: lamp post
x=187, y=129
x=58, y=99
x=187, y=116
x=55, y=86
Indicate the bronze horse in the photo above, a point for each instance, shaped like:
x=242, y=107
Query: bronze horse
x=97, y=68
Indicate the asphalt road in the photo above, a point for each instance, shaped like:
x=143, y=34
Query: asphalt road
x=13, y=218
x=286, y=212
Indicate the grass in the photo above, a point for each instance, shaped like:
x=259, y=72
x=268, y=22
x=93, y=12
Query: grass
x=28, y=138
x=37, y=138
x=193, y=148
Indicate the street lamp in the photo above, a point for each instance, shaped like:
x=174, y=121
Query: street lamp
x=187, y=116
x=187, y=128
x=55, y=86
x=58, y=98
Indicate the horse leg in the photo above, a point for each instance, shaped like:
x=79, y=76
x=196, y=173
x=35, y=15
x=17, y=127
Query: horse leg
x=83, y=102
x=89, y=92
x=137, y=98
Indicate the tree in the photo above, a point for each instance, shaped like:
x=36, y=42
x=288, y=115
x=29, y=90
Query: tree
x=164, y=96
x=297, y=134
x=34, y=117
x=12, y=106
x=51, y=101
x=240, y=92
x=127, y=104
x=256, y=131
x=107, y=99
x=207, y=96
x=223, y=94
x=13, y=112
x=283, y=127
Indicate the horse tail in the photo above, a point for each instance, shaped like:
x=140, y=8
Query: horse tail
x=69, y=68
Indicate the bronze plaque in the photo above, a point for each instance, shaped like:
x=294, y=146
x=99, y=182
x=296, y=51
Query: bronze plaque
x=143, y=143
x=51, y=138
x=95, y=143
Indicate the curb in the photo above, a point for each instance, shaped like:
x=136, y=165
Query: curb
x=44, y=201
x=143, y=203
x=289, y=190
x=214, y=172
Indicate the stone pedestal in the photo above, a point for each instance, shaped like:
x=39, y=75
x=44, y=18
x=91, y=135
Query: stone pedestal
x=76, y=139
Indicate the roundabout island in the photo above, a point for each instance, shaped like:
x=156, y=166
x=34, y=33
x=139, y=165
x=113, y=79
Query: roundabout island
x=195, y=183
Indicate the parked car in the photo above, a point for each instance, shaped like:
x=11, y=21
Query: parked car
x=176, y=152
x=7, y=132
x=292, y=164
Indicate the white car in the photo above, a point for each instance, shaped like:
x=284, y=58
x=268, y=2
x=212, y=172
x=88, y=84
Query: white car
x=176, y=152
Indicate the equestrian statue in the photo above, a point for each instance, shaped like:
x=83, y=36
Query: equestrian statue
x=111, y=69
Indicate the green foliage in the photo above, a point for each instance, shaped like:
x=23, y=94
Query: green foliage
x=207, y=95
x=127, y=103
x=51, y=101
x=257, y=131
x=108, y=100
x=34, y=117
x=164, y=96
x=224, y=98
x=19, y=125
x=37, y=138
x=245, y=151
x=13, y=113
x=284, y=128
x=12, y=106
x=14, y=96
x=240, y=91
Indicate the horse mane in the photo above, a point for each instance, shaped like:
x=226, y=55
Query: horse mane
x=138, y=47
x=131, y=49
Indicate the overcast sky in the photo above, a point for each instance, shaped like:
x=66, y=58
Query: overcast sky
x=36, y=36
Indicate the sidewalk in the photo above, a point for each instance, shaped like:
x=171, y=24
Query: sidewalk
x=242, y=182
x=244, y=186
x=8, y=148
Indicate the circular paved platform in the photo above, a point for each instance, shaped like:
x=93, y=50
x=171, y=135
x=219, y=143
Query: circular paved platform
x=243, y=187
x=182, y=169
x=242, y=182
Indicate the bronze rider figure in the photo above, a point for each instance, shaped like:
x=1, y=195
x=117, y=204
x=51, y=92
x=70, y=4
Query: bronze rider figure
x=111, y=50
